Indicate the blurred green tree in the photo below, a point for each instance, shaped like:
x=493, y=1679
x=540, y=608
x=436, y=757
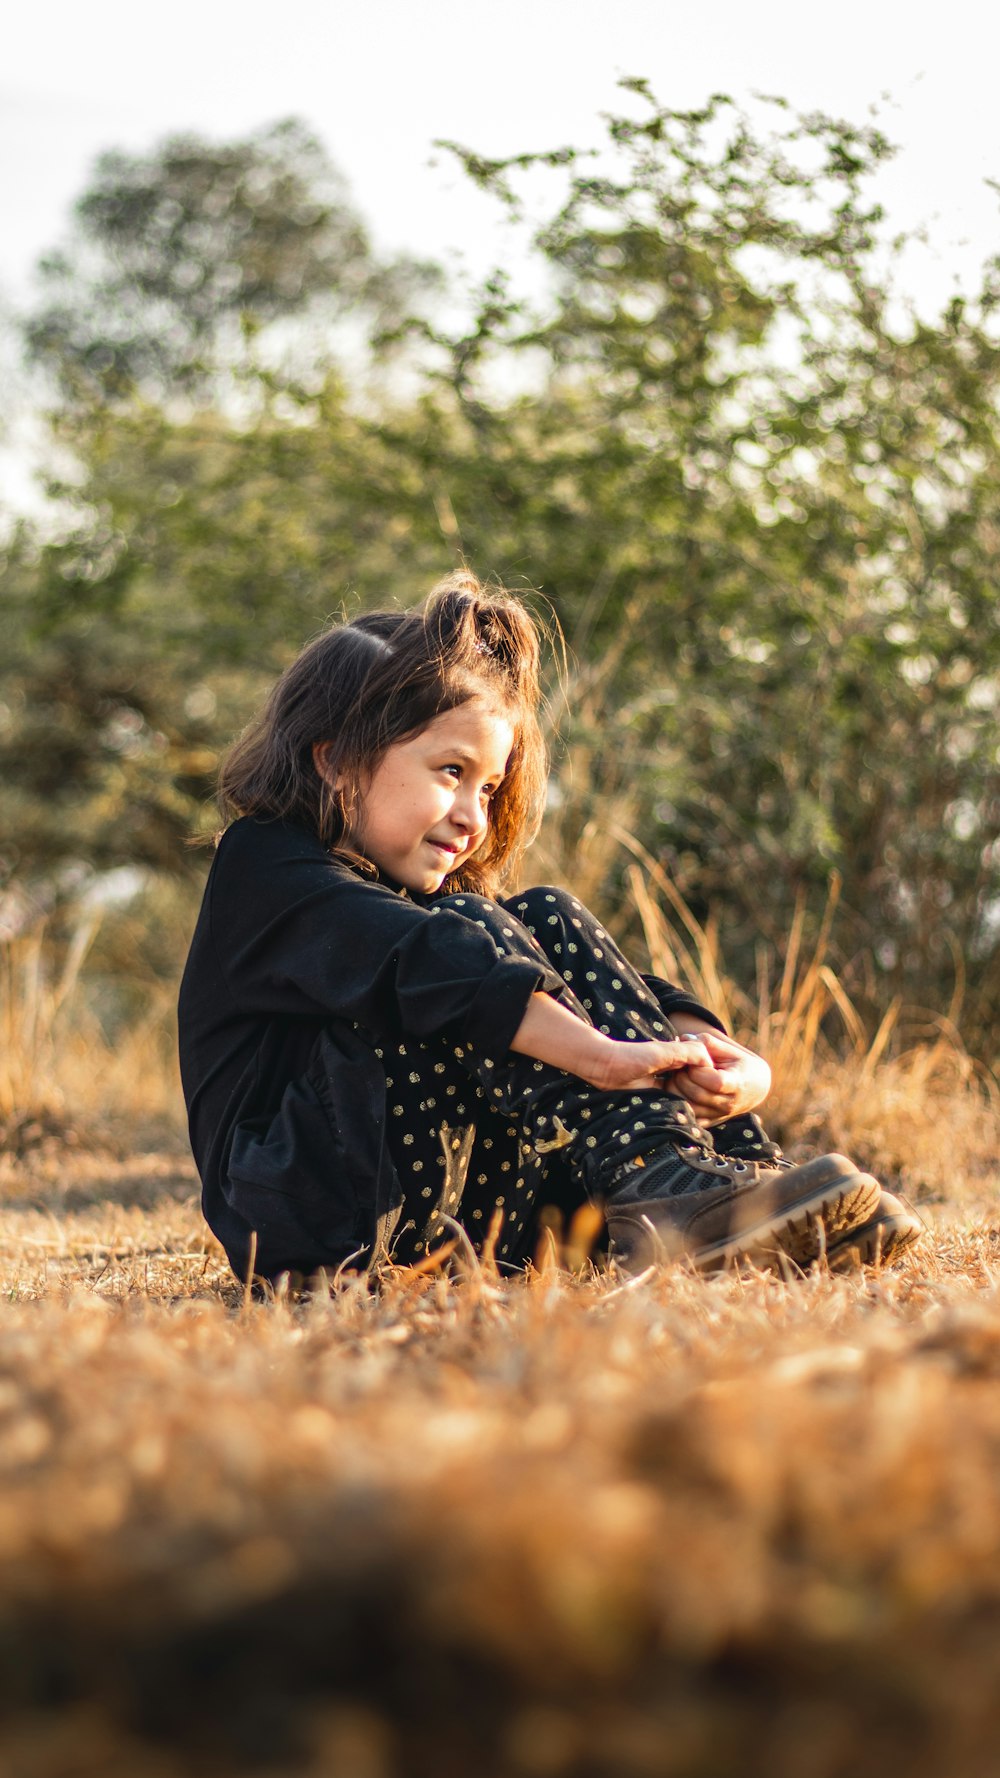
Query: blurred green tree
x=211, y=483
x=176, y=258
x=760, y=494
x=764, y=495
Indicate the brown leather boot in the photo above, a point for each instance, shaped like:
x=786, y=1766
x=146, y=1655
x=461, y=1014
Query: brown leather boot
x=886, y=1237
x=687, y=1200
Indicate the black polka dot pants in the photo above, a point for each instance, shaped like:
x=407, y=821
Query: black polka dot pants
x=471, y=1134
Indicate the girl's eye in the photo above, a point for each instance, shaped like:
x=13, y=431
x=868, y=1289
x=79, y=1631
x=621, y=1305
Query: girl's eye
x=456, y=771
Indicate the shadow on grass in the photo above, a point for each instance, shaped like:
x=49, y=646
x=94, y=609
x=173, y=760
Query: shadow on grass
x=65, y=1171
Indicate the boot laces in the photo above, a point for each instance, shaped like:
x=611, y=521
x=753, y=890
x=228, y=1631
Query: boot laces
x=706, y=1161
x=695, y=1157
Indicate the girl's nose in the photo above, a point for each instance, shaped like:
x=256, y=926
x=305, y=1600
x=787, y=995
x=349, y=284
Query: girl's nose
x=468, y=814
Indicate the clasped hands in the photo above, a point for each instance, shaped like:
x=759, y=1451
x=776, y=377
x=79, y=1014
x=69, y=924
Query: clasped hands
x=715, y=1075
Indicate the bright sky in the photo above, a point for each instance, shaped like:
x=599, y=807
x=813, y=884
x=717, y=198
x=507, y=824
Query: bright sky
x=380, y=79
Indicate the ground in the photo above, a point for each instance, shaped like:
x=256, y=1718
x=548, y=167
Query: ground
x=568, y=1524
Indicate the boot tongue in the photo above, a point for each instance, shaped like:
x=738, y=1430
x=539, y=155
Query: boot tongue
x=676, y=1127
x=675, y=1131
x=746, y=1139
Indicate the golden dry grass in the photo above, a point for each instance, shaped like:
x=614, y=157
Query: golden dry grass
x=555, y=1525
x=559, y=1525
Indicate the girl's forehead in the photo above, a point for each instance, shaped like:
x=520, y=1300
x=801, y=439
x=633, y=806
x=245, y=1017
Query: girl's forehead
x=477, y=726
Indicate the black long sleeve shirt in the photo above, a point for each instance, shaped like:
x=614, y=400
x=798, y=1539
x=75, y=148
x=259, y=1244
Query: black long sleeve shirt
x=293, y=948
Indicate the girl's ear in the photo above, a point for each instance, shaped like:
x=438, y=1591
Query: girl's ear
x=321, y=760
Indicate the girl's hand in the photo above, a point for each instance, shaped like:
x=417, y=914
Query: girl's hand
x=735, y=1080
x=624, y=1067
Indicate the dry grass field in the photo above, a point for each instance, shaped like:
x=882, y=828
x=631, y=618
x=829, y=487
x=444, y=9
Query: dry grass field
x=565, y=1524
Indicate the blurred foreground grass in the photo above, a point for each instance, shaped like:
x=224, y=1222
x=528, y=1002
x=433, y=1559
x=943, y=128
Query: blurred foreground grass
x=558, y=1525
x=544, y=1526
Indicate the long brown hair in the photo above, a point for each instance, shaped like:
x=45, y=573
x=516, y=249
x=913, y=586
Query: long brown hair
x=363, y=686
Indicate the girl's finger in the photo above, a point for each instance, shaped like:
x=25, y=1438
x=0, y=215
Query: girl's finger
x=684, y=1053
x=711, y=1081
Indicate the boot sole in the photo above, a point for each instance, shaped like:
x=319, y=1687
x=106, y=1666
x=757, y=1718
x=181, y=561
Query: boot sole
x=829, y=1215
x=879, y=1242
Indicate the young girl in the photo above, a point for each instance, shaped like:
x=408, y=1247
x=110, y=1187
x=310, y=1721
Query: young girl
x=372, y=1038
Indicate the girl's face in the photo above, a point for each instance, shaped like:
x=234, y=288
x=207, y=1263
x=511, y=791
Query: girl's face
x=425, y=809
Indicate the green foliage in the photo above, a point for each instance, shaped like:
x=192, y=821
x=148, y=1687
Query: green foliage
x=759, y=494
x=178, y=257
x=776, y=500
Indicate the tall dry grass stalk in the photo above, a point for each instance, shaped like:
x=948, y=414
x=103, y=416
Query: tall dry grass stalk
x=921, y=1112
x=61, y=1077
x=593, y=786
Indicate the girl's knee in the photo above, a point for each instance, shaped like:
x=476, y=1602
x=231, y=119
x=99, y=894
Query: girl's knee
x=491, y=915
x=472, y=906
x=511, y=931
x=547, y=902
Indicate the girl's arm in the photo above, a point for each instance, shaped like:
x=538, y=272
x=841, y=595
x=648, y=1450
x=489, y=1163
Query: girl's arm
x=716, y=1075
x=553, y=1034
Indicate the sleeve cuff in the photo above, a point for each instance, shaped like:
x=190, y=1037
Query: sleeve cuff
x=674, y=1000
x=501, y=1002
